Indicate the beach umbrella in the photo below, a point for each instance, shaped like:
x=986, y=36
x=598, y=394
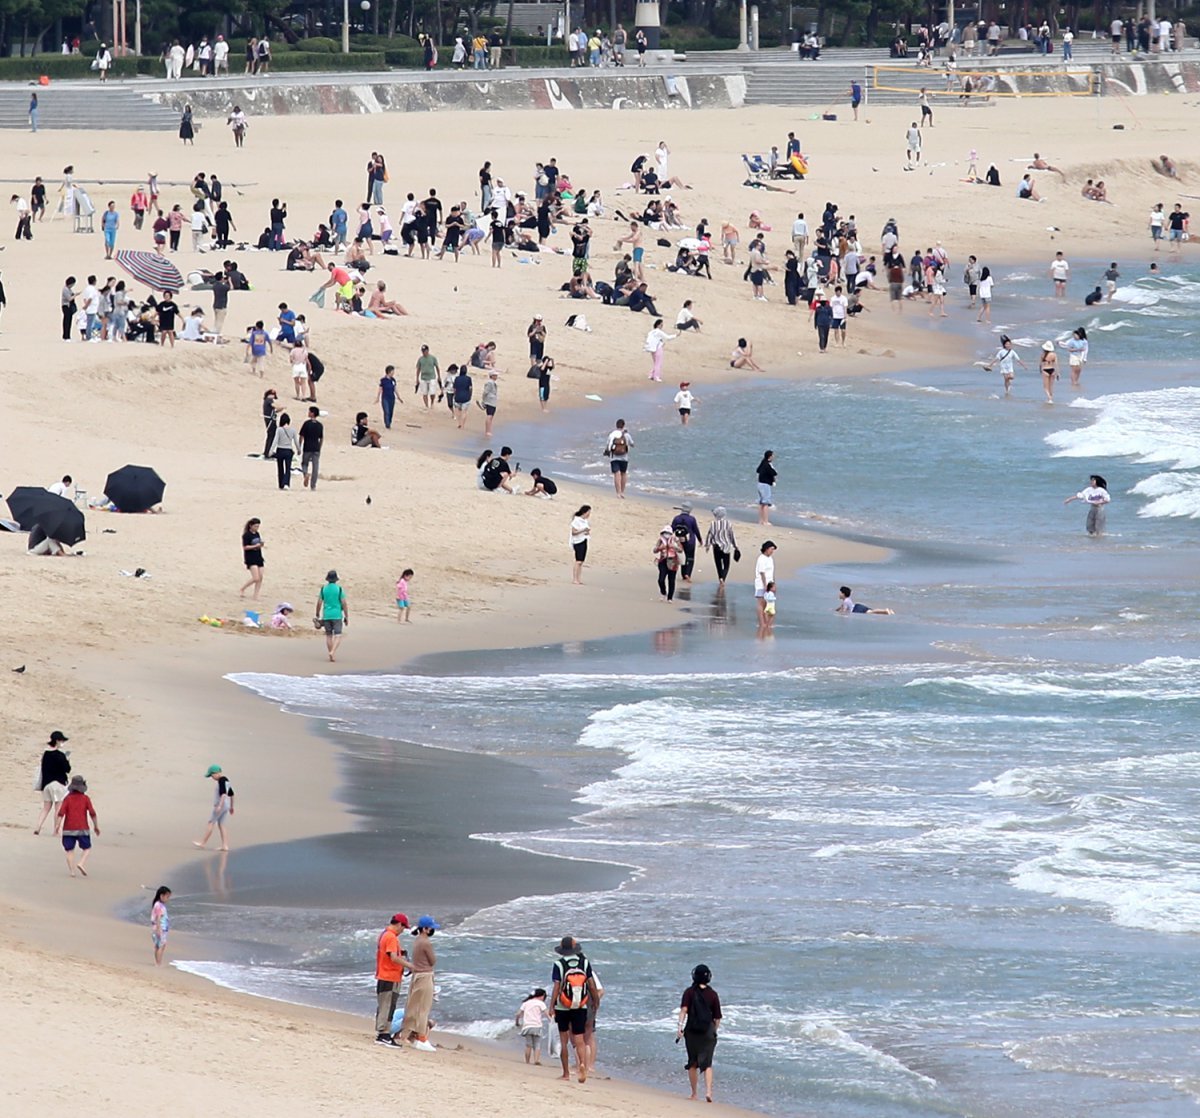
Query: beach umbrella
x=34, y=507
x=150, y=268
x=134, y=488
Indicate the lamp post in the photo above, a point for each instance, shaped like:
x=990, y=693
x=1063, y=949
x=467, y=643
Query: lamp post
x=345, y=26
x=743, y=44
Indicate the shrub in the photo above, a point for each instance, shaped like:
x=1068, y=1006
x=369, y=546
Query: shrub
x=301, y=61
x=319, y=45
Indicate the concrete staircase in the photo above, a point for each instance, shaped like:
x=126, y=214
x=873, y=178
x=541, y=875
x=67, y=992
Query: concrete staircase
x=94, y=106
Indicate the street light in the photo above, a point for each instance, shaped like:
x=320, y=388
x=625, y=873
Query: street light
x=366, y=7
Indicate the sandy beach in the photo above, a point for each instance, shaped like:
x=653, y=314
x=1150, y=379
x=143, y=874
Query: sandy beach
x=123, y=666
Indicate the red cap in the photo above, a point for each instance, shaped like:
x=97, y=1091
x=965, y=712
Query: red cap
x=400, y=919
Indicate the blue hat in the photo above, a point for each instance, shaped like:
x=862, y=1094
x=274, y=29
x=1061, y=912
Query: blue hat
x=428, y=922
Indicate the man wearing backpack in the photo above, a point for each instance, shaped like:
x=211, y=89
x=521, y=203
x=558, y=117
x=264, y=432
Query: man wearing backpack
x=699, y=1019
x=574, y=990
x=616, y=450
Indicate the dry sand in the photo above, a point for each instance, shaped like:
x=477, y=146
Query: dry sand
x=123, y=666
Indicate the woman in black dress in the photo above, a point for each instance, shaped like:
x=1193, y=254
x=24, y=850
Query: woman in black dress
x=252, y=557
x=186, y=133
x=791, y=278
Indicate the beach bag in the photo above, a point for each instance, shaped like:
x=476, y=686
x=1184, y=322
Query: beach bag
x=700, y=1015
x=682, y=532
x=573, y=989
x=535, y=372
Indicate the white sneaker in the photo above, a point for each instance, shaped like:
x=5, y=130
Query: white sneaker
x=423, y=1046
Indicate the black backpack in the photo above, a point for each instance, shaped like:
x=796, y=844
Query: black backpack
x=700, y=1015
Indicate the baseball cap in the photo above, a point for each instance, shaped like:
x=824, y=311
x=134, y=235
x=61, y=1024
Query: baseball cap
x=428, y=922
x=212, y=770
x=58, y=735
x=400, y=919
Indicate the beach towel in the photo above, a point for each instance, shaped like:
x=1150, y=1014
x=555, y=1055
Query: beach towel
x=318, y=297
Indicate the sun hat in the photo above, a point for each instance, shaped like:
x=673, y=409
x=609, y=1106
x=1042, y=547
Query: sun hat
x=428, y=922
x=1048, y=347
x=58, y=735
x=685, y=506
x=78, y=784
x=212, y=770
x=400, y=919
x=565, y=945
x=332, y=576
x=666, y=530
x=285, y=607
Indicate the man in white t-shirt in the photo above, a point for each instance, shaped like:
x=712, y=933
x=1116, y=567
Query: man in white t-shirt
x=220, y=55
x=839, y=306
x=1116, y=30
x=89, y=302
x=1060, y=272
x=764, y=573
x=62, y=488
x=616, y=449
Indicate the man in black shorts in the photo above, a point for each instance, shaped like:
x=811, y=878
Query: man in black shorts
x=616, y=450
x=574, y=990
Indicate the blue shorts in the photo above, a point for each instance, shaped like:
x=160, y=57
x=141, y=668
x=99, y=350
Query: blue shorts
x=638, y=253
x=1177, y=234
x=402, y=603
x=84, y=841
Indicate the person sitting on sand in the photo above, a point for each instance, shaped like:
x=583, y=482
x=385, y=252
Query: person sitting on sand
x=1100, y=193
x=1088, y=190
x=356, y=258
x=846, y=604
x=194, y=329
x=41, y=544
x=381, y=304
x=303, y=259
x=742, y=356
x=992, y=178
x=1027, y=191
x=282, y=618
x=362, y=435
x=755, y=221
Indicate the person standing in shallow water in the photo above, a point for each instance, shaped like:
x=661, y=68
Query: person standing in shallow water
x=699, y=1020
x=1097, y=498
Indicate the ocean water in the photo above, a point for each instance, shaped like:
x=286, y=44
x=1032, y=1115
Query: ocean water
x=941, y=863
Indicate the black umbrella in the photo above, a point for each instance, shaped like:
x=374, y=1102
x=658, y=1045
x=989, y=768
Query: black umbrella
x=34, y=507
x=134, y=488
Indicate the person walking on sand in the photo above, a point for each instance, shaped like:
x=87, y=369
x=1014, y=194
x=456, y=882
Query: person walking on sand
x=766, y=486
x=1048, y=364
x=489, y=401
x=71, y=822
x=160, y=923
x=531, y=1020
x=403, y=603
x=53, y=777
x=415, y=1026
x=764, y=573
x=913, y=141
x=635, y=239
x=666, y=557
x=332, y=612
x=252, y=557
x=283, y=449
x=429, y=377
x=222, y=808
x=312, y=436
x=581, y=529
x=390, y=965
x=721, y=541
x=656, y=339
x=573, y=989
x=687, y=531
x=616, y=450
x=110, y=223
x=699, y=1020
x=1096, y=497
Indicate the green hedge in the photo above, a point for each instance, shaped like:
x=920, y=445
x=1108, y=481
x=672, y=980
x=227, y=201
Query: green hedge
x=68, y=66
x=300, y=61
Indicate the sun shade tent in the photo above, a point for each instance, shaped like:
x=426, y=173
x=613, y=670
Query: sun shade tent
x=154, y=271
x=35, y=507
x=134, y=488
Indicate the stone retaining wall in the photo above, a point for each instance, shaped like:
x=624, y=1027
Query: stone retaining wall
x=346, y=96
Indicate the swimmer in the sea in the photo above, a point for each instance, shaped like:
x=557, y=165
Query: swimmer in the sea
x=847, y=604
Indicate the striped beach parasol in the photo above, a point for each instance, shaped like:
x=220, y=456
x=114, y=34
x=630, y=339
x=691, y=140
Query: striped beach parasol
x=150, y=268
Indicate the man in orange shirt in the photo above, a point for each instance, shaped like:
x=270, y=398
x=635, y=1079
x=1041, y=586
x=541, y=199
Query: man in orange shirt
x=390, y=965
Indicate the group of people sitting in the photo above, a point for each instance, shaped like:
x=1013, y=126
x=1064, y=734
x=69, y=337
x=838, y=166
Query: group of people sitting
x=1096, y=191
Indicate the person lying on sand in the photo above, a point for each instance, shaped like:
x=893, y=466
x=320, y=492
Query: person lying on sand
x=1165, y=165
x=1039, y=164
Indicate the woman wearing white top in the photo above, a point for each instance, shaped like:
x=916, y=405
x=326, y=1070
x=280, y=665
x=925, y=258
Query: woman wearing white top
x=1077, y=353
x=1005, y=356
x=655, y=339
x=580, y=530
x=1096, y=497
x=984, y=289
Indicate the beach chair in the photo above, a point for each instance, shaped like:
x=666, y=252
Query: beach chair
x=757, y=169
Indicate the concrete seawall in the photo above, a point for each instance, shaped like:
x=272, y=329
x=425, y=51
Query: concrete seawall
x=345, y=94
